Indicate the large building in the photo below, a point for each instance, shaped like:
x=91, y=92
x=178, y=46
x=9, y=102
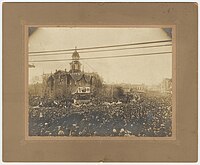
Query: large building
x=74, y=82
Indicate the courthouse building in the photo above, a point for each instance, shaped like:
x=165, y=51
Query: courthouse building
x=65, y=83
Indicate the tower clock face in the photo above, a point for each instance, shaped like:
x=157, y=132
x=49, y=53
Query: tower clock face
x=76, y=66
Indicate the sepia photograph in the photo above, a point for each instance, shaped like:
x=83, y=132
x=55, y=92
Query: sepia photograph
x=100, y=82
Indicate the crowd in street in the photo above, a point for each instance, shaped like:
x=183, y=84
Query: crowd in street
x=145, y=115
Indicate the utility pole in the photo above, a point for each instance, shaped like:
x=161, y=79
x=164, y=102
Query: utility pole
x=112, y=91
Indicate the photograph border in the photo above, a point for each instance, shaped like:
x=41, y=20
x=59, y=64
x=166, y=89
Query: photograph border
x=18, y=149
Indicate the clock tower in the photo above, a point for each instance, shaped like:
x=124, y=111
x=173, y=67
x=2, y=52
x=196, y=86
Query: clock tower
x=75, y=65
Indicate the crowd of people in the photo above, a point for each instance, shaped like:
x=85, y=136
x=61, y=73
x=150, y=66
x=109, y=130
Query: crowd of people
x=146, y=115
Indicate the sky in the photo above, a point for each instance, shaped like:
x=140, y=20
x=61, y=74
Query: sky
x=149, y=70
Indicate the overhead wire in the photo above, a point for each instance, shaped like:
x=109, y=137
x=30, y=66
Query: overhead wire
x=94, y=51
x=101, y=47
x=105, y=57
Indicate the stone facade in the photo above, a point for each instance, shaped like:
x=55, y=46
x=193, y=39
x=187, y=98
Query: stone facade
x=68, y=83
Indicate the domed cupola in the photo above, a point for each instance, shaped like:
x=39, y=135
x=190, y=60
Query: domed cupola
x=75, y=55
x=75, y=65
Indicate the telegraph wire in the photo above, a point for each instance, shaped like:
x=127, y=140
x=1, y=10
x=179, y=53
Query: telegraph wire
x=93, y=51
x=89, y=66
x=101, y=47
x=105, y=57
